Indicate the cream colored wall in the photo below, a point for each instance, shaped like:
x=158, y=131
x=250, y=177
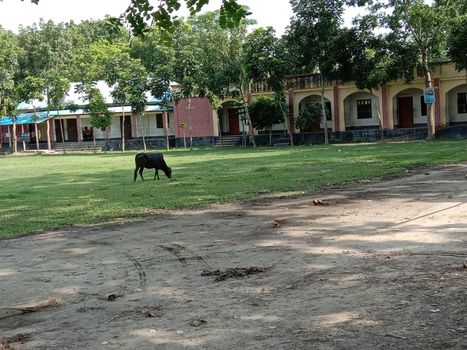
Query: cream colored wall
x=215, y=122
x=451, y=99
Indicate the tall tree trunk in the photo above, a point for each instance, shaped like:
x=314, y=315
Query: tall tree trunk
x=63, y=135
x=380, y=120
x=140, y=127
x=248, y=118
x=166, y=129
x=22, y=139
x=219, y=127
x=287, y=124
x=15, y=138
x=9, y=138
x=94, y=142
x=190, y=129
x=37, y=136
x=270, y=137
x=428, y=84
x=123, y=128
x=323, y=108
x=49, y=142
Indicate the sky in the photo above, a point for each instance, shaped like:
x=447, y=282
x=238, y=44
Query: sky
x=13, y=13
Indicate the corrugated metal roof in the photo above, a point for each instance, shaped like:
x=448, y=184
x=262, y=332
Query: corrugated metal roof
x=27, y=118
x=75, y=98
x=39, y=117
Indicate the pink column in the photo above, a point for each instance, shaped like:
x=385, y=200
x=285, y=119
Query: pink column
x=335, y=94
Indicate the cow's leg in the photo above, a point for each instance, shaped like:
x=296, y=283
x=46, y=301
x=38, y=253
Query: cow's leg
x=156, y=174
x=141, y=173
x=136, y=174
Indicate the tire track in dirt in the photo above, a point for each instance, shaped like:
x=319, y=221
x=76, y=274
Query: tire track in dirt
x=140, y=270
x=178, y=250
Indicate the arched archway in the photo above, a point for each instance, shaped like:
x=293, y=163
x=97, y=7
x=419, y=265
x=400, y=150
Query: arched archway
x=456, y=105
x=230, y=122
x=361, y=111
x=410, y=109
x=311, y=99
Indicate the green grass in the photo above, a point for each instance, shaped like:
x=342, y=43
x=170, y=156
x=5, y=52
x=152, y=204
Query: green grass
x=43, y=192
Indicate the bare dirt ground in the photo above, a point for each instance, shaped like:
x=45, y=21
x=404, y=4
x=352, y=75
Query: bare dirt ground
x=380, y=267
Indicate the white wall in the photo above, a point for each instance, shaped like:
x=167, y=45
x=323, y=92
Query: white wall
x=350, y=110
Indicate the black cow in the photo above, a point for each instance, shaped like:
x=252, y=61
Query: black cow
x=151, y=161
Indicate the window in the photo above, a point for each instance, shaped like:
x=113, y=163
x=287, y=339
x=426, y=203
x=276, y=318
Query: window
x=364, y=109
x=328, y=111
x=423, y=106
x=462, y=102
x=159, y=122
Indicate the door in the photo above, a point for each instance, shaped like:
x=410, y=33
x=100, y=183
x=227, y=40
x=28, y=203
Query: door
x=72, y=130
x=125, y=125
x=405, y=105
x=234, y=127
x=58, y=130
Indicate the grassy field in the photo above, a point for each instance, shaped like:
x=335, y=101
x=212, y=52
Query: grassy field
x=42, y=192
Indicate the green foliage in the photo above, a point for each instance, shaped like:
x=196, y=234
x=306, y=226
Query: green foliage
x=9, y=52
x=100, y=117
x=265, y=111
x=45, y=192
x=140, y=12
x=309, y=115
x=457, y=42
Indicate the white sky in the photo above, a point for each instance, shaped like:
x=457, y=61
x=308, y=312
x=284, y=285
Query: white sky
x=14, y=13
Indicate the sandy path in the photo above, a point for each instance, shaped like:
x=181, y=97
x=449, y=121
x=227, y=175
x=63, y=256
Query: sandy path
x=380, y=267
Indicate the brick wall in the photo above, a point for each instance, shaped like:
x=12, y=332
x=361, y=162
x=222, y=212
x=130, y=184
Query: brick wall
x=201, y=117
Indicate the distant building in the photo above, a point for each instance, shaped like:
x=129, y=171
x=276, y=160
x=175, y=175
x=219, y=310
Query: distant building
x=354, y=114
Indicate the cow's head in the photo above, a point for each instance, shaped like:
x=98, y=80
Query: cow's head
x=168, y=172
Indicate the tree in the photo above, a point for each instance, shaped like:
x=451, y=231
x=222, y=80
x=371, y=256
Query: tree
x=457, y=42
x=48, y=55
x=424, y=25
x=266, y=111
x=159, y=63
x=9, y=96
x=100, y=116
x=139, y=12
x=309, y=115
x=371, y=61
x=31, y=89
x=312, y=32
x=265, y=60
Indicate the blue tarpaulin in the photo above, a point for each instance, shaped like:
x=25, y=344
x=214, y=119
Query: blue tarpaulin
x=39, y=117
x=27, y=118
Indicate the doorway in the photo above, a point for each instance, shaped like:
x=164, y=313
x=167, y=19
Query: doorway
x=125, y=126
x=72, y=130
x=234, y=126
x=405, y=105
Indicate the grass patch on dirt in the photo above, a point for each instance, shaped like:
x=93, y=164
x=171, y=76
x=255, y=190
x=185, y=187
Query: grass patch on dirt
x=51, y=191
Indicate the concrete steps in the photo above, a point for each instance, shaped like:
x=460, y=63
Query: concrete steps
x=229, y=141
